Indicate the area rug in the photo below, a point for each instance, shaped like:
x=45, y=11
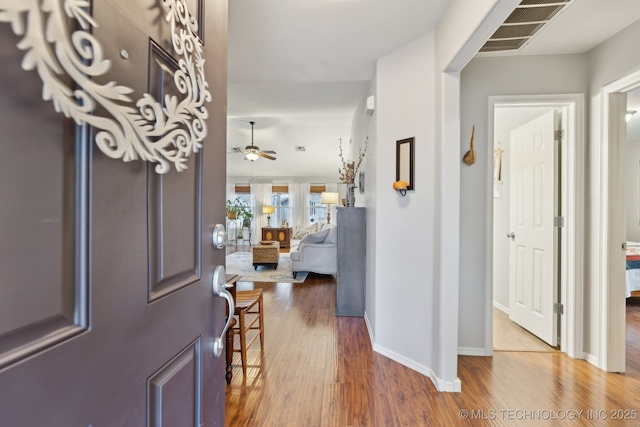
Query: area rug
x=240, y=263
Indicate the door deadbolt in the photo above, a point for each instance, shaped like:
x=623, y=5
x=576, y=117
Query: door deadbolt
x=219, y=236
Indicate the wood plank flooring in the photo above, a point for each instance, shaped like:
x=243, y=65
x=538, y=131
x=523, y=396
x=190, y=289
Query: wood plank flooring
x=320, y=370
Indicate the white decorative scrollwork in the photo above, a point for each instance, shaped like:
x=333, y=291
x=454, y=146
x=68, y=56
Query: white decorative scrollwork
x=148, y=131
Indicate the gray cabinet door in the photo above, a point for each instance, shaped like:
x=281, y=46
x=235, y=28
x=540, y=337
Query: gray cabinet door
x=351, y=277
x=107, y=317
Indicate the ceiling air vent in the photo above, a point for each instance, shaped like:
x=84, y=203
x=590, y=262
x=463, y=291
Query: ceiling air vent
x=300, y=148
x=525, y=21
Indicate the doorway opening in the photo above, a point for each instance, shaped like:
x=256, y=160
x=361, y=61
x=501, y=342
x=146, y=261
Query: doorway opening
x=519, y=110
x=613, y=225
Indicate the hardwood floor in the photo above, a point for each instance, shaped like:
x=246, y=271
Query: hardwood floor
x=320, y=370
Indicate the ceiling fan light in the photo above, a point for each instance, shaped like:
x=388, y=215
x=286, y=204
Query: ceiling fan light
x=252, y=156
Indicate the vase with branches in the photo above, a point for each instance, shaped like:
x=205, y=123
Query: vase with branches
x=349, y=170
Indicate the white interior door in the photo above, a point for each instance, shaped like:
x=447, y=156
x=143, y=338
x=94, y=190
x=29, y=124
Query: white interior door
x=533, y=206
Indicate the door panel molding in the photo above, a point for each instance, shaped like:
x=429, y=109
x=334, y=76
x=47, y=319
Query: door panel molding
x=175, y=386
x=174, y=215
x=45, y=231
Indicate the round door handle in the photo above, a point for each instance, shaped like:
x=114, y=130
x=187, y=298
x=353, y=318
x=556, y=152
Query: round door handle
x=511, y=235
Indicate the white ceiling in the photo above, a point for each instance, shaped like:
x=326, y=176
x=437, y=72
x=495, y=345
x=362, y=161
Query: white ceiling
x=299, y=68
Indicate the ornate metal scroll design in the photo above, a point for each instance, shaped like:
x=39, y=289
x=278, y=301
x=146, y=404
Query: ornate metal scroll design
x=165, y=135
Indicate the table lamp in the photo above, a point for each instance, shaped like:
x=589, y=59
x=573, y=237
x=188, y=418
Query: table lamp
x=329, y=198
x=268, y=210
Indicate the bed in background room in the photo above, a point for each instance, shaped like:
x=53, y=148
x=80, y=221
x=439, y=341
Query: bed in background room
x=633, y=269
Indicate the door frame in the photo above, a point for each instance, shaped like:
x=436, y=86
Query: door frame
x=611, y=307
x=571, y=281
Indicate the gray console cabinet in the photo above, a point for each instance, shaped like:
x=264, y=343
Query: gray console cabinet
x=350, y=290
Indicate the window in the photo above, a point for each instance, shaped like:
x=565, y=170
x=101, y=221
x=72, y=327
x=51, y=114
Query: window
x=243, y=229
x=243, y=193
x=317, y=211
x=282, y=203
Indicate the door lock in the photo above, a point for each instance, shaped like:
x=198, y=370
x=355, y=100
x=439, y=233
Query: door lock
x=219, y=236
x=511, y=235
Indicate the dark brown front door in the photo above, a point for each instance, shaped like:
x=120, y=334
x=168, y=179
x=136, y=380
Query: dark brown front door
x=107, y=316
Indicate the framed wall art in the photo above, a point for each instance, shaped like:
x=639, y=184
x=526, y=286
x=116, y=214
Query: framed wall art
x=405, y=161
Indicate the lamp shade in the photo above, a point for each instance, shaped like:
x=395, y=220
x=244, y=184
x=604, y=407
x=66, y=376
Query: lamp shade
x=251, y=156
x=329, y=198
x=268, y=209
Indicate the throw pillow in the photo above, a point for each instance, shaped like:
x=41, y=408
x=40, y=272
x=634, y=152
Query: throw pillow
x=311, y=227
x=317, y=237
x=333, y=234
x=299, y=234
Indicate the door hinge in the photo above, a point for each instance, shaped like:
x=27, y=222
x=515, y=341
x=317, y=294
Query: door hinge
x=558, y=221
x=558, y=135
x=558, y=308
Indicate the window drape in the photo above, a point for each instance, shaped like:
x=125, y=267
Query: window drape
x=231, y=191
x=300, y=202
x=261, y=193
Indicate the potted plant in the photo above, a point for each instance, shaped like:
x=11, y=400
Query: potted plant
x=237, y=209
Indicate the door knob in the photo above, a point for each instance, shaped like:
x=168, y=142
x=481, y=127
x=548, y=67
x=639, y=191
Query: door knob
x=511, y=235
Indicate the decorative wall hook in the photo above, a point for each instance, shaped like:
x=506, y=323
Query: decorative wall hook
x=469, y=157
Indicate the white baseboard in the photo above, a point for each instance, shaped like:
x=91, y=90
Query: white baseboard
x=366, y=322
x=454, y=386
x=501, y=307
x=472, y=351
x=591, y=359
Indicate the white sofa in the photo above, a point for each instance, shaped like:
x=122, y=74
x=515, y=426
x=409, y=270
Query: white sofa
x=316, y=251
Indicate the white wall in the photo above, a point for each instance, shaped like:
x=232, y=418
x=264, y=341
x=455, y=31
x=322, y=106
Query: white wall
x=632, y=184
x=404, y=226
x=417, y=94
x=413, y=268
x=363, y=127
x=484, y=77
x=462, y=31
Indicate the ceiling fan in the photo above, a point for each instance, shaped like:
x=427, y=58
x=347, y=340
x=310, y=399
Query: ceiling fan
x=252, y=152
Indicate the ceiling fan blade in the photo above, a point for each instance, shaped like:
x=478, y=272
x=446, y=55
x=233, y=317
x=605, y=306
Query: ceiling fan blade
x=266, y=156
